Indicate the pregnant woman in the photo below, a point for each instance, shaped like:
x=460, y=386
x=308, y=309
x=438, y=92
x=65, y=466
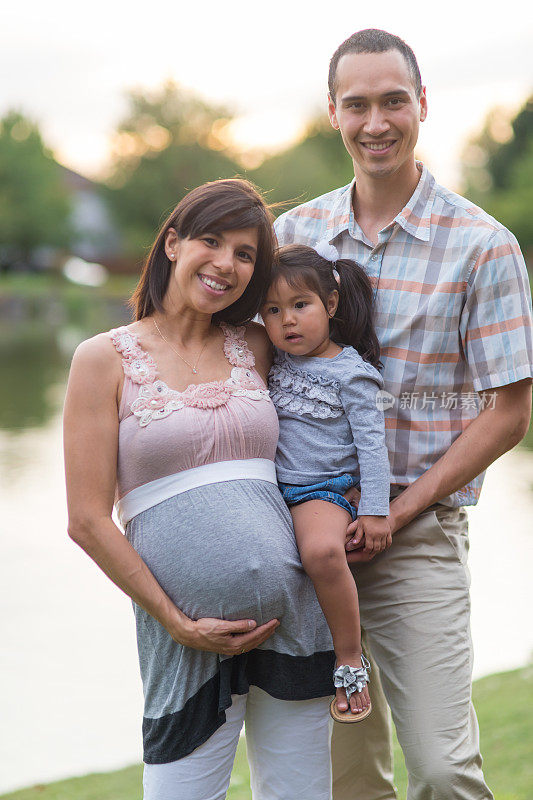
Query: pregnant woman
x=170, y=418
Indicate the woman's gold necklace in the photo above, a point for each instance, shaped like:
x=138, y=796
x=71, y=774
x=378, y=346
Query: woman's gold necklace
x=193, y=367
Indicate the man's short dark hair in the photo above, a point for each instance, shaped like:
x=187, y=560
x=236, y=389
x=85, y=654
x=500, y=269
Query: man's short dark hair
x=372, y=40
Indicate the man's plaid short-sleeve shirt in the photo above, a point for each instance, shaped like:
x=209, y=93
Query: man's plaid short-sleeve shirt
x=452, y=313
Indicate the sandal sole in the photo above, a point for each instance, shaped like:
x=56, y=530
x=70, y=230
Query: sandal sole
x=347, y=716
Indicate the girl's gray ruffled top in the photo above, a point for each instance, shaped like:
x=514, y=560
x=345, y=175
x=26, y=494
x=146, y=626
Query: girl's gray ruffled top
x=330, y=424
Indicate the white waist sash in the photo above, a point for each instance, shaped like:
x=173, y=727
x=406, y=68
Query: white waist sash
x=154, y=492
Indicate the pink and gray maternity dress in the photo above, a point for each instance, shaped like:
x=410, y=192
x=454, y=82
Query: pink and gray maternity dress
x=197, y=495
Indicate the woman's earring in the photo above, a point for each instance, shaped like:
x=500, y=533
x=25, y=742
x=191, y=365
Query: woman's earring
x=171, y=256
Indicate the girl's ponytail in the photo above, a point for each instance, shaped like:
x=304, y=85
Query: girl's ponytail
x=353, y=322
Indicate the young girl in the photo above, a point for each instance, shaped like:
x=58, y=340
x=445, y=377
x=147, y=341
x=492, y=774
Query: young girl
x=324, y=381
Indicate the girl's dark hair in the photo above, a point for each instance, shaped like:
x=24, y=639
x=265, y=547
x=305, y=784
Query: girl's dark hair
x=352, y=324
x=214, y=207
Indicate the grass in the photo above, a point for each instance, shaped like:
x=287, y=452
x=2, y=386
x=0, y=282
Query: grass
x=503, y=703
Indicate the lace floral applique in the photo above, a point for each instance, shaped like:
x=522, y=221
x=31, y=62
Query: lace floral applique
x=156, y=400
x=236, y=349
x=303, y=392
x=136, y=363
x=243, y=383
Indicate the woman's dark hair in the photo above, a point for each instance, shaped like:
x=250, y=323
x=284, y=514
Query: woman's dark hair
x=352, y=323
x=214, y=207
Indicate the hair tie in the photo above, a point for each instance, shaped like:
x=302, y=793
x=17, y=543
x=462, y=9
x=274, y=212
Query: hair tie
x=330, y=253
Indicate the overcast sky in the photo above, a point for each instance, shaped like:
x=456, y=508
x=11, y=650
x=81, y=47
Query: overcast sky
x=68, y=64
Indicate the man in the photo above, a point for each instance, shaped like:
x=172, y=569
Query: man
x=453, y=317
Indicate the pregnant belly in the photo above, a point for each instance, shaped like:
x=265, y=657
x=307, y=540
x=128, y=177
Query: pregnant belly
x=215, y=557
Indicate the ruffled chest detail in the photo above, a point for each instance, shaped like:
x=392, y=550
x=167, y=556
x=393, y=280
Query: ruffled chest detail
x=302, y=392
x=156, y=400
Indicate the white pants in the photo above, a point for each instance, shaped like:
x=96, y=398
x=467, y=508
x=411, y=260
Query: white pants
x=288, y=745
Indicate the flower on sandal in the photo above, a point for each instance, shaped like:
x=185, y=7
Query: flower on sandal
x=352, y=679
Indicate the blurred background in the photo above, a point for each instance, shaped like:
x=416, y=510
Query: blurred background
x=108, y=116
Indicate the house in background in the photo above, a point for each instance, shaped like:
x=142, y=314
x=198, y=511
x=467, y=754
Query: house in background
x=96, y=237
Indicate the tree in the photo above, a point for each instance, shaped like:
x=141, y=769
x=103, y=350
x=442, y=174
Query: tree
x=169, y=115
x=508, y=155
x=316, y=164
x=498, y=171
x=169, y=142
x=34, y=206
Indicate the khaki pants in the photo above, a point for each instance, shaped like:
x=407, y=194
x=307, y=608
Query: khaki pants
x=415, y=612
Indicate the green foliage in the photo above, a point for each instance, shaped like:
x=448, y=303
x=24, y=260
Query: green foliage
x=503, y=163
x=498, y=171
x=512, y=205
x=315, y=165
x=169, y=142
x=172, y=141
x=168, y=115
x=157, y=184
x=503, y=703
x=34, y=208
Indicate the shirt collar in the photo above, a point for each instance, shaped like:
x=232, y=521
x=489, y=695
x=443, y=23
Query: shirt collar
x=415, y=218
x=341, y=217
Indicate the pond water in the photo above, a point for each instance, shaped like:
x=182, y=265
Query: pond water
x=70, y=697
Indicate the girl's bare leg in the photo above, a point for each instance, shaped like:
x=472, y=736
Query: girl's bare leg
x=320, y=529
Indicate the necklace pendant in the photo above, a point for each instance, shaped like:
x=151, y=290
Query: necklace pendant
x=195, y=371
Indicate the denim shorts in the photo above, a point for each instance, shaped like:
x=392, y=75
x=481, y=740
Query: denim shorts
x=331, y=491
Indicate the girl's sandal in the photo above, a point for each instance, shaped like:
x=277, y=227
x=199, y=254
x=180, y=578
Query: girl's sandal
x=352, y=679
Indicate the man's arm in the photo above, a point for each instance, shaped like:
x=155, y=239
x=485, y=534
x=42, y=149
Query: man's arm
x=498, y=427
x=492, y=433
x=495, y=333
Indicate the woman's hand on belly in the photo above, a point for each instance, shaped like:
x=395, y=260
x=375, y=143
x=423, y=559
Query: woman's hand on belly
x=226, y=637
